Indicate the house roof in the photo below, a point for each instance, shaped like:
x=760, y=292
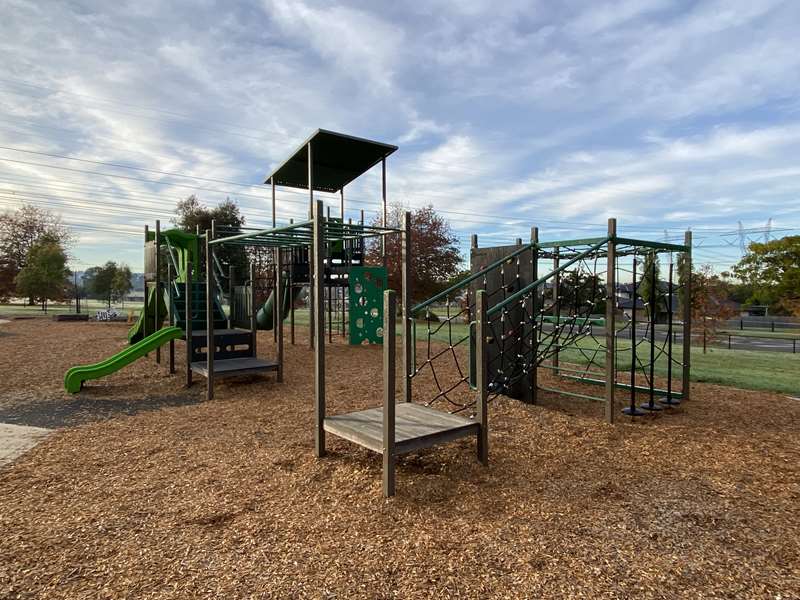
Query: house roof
x=337, y=160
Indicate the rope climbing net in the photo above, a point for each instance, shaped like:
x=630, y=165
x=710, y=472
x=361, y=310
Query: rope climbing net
x=556, y=321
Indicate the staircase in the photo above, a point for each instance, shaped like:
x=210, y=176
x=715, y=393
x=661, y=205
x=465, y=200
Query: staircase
x=198, y=306
x=234, y=348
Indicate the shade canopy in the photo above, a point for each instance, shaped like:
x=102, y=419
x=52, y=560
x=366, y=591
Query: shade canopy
x=337, y=160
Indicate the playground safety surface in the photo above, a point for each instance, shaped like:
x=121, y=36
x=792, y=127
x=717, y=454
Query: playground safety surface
x=225, y=499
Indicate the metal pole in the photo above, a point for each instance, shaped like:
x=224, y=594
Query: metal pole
x=556, y=308
x=188, y=323
x=611, y=325
x=651, y=404
x=669, y=400
x=272, y=184
x=171, y=313
x=385, y=212
x=408, y=340
x=253, y=311
x=293, y=254
x=276, y=314
x=482, y=415
x=144, y=306
x=534, y=328
x=633, y=410
x=156, y=319
x=210, y=344
x=312, y=263
x=230, y=296
x=329, y=294
x=279, y=293
x=687, y=318
x=341, y=204
x=389, y=352
x=319, y=331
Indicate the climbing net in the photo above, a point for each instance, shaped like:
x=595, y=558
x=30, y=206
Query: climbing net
x=555, y=321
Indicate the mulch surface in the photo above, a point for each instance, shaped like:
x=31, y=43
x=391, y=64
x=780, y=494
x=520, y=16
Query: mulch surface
x=224, y=499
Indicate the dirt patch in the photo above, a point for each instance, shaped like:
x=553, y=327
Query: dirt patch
x=225, y=499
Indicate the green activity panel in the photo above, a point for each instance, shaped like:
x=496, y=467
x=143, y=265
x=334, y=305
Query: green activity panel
x=366, y=304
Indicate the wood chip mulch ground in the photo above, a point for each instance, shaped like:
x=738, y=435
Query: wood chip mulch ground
x=224, y=499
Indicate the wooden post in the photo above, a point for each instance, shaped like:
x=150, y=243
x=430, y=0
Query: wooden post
x=408, y=340
x=389, y=354
x=156, y=320
x=534, y=378
x=312, y=262
x=319, y=332
x=171, y=313
x=210, y=344
x=481, y=412
x=253, y=311
x=279, y=326
x=611, y=328
x=188, y=322
x=687, y=318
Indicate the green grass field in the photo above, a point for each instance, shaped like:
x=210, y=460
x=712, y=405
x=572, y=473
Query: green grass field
x=755, y=370
x=19, y=309
x=746, y=369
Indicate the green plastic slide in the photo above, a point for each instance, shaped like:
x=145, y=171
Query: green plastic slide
x=142, y=328
x=74, y=378
x=264, y=315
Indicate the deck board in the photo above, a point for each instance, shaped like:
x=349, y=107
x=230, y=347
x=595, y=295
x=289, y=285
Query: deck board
x=235, y=366
x=416, y=427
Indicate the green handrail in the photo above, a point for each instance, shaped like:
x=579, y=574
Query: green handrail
x=470, y=278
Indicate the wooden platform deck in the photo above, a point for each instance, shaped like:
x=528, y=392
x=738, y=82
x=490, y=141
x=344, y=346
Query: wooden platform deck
x=235, y=366
x=416, y=427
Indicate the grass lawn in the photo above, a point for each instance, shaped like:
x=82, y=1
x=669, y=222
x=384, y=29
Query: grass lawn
x=19, y=309
x=746, y=369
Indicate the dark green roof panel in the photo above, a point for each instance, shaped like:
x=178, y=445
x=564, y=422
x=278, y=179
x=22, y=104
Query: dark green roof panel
x=338, y=160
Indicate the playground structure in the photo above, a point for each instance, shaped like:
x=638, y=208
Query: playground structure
x=486, y=336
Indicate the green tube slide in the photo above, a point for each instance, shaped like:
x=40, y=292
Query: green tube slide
x=74, y=378
x=264, y=317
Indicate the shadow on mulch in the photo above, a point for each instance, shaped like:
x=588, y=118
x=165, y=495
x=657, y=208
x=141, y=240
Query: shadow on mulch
x=70, y=413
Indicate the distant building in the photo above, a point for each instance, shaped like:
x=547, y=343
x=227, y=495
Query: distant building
x=626, y=298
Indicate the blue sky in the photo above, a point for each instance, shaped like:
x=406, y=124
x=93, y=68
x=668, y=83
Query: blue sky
x=667, y=115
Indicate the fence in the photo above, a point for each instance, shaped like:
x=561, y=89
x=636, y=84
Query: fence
x=770, y=323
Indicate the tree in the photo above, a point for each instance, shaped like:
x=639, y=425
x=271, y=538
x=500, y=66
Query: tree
x=20, y=230
x=99, y=281
x=45, y=272
x=121, y=282
x=772, y=271
x=649, y=282
x=191, y=215
x=435, y=257
x=582, y=293
x=710, y=307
